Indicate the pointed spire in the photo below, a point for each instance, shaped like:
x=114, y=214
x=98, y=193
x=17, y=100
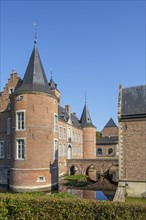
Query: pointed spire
x=86, y=118
x=110, y=123
x=52, y=84
x=35, y=77
x=35, y=32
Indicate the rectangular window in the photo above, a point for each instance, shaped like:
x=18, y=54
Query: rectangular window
x=64, y=133
x=20, y=125
x=60, y=150
x=60, y=132
x=8, y=149
x=64, y=150
x=55, y=123
x=8, y=125
x=20, y=149
x=1, y=149
x=55, y=149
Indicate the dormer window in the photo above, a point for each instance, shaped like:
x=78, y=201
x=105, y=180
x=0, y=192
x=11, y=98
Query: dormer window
x=11, y=90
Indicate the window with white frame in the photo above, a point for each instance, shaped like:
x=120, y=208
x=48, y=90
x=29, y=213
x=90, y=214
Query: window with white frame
x=1, y=149
x=8, y=149
x=64, y=133
x=20, y=153
x=20, y=120
x=60, y=150
x=60, y=132
x=56, y=123
x=64, y=150
x=55, y=156
x=8, y=125
x=69, y=132
x=11, y=90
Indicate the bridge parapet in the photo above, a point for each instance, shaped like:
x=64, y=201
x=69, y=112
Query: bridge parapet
x=103, y=164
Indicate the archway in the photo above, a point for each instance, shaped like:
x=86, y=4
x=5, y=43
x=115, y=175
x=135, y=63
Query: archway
x=73, y=169
x=93, y=171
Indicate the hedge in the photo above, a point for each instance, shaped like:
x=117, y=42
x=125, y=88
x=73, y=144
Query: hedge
x=29, y=207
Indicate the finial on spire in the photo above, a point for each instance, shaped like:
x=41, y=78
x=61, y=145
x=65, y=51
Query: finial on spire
x=85, y=98
x=35, y=32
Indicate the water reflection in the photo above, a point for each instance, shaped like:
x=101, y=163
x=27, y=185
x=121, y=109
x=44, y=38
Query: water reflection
x=103, y=189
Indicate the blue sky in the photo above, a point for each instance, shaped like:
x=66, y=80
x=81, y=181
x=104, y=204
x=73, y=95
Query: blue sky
x=91, y=46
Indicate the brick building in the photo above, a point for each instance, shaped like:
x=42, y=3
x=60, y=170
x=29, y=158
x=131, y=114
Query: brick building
x=107, y=146
x=37, y=134
x=132, y=139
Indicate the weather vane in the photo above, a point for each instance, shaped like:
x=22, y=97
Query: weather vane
x=35, y=32
x=85, y=98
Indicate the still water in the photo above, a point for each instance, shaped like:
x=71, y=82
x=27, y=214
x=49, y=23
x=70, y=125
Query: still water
x=101, y=190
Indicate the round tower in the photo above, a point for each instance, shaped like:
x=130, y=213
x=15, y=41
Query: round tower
x=89, y=135
x=34, y=110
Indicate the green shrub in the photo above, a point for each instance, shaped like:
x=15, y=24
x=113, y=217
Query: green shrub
x=33, y=207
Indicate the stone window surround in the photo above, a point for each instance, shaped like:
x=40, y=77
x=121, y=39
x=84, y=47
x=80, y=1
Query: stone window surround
x=20, y=129
x=23, y=151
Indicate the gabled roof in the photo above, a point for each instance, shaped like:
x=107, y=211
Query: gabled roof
x=86, y=118
x=133, y=101
x=108, y=140
x=110, y=124
x=35, y=77
x=63, y=115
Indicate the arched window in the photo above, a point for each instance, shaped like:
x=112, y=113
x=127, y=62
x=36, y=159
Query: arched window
x=99, y=151
x=109, y=151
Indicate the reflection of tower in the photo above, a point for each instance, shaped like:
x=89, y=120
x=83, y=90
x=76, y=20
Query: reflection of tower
x=89, y=134
x=33, y=123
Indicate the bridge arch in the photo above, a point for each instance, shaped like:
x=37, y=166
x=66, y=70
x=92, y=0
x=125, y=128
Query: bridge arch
x=97, y=166
x=73, y=168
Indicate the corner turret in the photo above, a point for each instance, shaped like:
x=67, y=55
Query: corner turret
x=89, y=134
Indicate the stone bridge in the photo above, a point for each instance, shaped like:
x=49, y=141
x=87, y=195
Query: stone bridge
x=102, y=165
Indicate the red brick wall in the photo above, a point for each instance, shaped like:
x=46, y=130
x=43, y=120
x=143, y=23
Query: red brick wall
x=89, y=137
x=133, y=148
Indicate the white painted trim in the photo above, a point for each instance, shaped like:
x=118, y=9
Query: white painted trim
x=17, y=111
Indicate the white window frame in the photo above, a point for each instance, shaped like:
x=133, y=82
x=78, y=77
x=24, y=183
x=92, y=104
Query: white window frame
x=8, y=125
x=55, y=123
x=64, y=150
x=8, y=150
x=60, y=150
x=17, y=127
x=2, y=154
x=64, y=133
x=22, y=151
x=11, y=90
x=41, y=179
x=60, y=132
x=55, y=152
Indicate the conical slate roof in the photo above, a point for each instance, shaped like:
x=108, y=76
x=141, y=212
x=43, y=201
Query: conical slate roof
x=35, y=77
x=110, y=124
x=85, y=120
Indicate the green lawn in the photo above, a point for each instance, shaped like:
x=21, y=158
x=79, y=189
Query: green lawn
x=136, y=200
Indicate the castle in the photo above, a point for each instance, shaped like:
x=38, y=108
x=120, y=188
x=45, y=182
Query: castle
x=37, y=135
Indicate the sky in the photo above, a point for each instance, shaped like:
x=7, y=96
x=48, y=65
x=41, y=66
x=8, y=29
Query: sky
x=90, y=46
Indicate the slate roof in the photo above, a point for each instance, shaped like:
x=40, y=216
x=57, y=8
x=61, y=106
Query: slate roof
x=108, y=140
x=86, y=118
x=110, y=124
x=63, y=115
x=52, y=84
x=35, y=77
x=134, y=101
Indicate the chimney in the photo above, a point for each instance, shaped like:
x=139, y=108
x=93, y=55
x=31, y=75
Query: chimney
x=75, y=114
x=68, y=109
